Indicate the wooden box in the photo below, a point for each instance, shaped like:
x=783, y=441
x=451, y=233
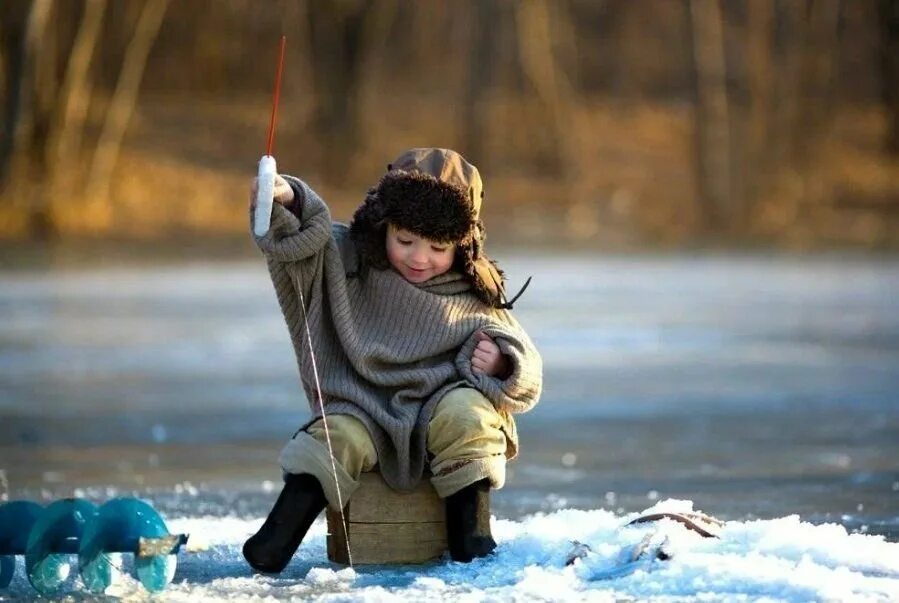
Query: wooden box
x=386, y=526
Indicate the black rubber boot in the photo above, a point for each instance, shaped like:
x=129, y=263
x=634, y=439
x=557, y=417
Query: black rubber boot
x=270, y=549
x=468, y=522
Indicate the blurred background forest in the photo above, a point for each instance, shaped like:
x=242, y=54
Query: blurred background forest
x=607, y=123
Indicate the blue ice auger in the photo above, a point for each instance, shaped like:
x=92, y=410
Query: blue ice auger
x=47, y=537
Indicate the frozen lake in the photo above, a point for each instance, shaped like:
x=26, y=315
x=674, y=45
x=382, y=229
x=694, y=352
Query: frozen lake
x=754, y=386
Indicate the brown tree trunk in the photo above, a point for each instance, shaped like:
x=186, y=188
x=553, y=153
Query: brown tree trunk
x=759, y=46
x=375, y=41
x=889, y=28
x=120, y=110
x=787, y=80
x=540, y=68
x=711, y=113
x=540, y=25
x=818, y=67
x=336, y=30
x=30, y=128
x=482, y=50
x=65, y=140
x=13, y=25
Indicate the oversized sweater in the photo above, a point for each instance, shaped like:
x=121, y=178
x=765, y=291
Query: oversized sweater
x=386, y=350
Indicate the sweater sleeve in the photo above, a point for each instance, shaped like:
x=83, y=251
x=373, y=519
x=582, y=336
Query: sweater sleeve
x=296, y=240
x=521, y=390
x=296, y=236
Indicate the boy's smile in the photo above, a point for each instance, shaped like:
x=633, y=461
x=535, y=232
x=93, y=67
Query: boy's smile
x=416, y=258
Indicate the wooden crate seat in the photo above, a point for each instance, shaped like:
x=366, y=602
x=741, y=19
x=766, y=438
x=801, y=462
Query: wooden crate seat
x=386, y=526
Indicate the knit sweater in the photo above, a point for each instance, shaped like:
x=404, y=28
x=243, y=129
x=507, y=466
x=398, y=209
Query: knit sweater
x=386, y=350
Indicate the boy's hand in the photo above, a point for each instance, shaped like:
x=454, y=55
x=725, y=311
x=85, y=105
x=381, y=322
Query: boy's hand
x=282, y=192
x=487, y=357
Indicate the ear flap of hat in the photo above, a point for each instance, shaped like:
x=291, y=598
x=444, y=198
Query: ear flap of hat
x=486, y=277
x=488, y=282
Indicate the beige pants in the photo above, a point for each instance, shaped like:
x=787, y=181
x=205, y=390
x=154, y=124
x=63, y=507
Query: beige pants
x=464, y=438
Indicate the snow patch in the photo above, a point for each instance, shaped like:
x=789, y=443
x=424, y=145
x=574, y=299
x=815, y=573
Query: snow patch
x=783, y=559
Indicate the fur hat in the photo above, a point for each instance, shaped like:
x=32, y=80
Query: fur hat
x=436, y=194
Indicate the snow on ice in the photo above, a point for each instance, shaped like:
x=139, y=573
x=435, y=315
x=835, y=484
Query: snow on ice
x=782, y=559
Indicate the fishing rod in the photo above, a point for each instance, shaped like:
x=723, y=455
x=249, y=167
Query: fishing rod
x=262, y=219
x=268, y=168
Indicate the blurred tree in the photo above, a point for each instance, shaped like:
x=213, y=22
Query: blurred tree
x=47, y=95
x=889, y=28
x=787, y=79
x=591, y=99
x=13, y=20
x=65, y=138
x=482, y=52
x=820, y=44
x=29, y=86
x=120, y=109
x=765, y=99
x=713, y=153
x=336, y=29
x=537, y=38
x=759, y=74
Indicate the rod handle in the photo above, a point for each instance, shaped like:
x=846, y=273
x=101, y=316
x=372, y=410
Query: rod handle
x=265, y=195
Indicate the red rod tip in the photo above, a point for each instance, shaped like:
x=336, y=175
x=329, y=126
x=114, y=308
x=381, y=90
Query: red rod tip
x=276, y=97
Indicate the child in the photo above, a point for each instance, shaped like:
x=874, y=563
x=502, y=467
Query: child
x=419, y=361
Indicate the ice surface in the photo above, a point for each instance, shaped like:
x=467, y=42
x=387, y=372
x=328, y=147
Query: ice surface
x=755, y=386
x=782, y=559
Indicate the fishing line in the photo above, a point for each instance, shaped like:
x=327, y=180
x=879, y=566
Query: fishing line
x=321, y=405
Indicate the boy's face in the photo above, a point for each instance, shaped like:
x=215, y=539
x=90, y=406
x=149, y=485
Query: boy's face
x=417, y=259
